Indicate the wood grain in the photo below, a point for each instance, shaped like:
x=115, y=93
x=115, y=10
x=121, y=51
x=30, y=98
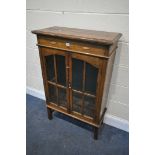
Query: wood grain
x=80, y=34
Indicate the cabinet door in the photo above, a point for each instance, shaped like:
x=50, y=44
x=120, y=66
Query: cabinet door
x=84, y=84
x=55, y=70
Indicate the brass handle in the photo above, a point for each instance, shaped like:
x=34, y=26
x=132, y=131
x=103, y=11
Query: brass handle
x=68, y=44
x=53, y=42
x=86, y=48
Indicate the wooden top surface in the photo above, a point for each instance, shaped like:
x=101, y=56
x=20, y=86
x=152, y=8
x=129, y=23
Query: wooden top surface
x=81, y=34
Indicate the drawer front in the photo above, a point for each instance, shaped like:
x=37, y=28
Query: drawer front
x=73, y=46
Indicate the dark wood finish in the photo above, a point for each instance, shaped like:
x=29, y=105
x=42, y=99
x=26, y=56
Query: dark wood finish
x=96, y=133
x=83, y=88
x=70, y=82
x=93, y=49
x=49, y=112
x=67, y=82
x=56, y=79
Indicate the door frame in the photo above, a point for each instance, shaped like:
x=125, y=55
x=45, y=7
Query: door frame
x=45, y=52
x=94, y=61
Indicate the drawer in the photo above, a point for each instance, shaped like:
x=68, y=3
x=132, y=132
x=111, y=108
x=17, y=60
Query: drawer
x=74, y=46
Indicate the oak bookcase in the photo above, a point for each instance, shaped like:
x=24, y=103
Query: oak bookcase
x=76, y=68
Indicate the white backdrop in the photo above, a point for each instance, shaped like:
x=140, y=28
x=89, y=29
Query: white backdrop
x=106, y=15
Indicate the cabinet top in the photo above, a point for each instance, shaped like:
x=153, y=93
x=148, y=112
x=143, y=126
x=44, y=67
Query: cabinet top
x=80, y=34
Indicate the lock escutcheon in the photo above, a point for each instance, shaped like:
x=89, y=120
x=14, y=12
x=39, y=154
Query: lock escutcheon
x=69, y=85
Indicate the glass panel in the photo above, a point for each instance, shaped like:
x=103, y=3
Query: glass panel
x=89, y=106
x=49, y=60
x=91, y=79
x=77, y=99
x=61, y=69
x=52, y=93
x=62, y=100
x=77, y=75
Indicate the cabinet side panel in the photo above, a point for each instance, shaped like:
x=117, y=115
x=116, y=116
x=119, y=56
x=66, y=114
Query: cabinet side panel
x=100, y=85
x=107, y=83
x=43, y=73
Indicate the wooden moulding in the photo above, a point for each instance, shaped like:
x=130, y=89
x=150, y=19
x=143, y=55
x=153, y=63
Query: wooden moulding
x=92, y=36
x=76, y=91
x=82, y=118
x=80, y=52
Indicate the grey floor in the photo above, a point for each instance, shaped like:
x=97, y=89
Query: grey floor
x=65, y=136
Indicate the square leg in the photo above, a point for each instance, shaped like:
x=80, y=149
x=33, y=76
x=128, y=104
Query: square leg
x=96, y=133
x=50, y=113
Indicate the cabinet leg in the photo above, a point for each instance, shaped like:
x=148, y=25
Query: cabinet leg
x=95, y=133
x=49, y=112
x=105, y=109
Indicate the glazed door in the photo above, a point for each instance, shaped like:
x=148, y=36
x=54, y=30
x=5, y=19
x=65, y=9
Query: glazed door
x=84, y=84
x=56, y=73
x=71, y=81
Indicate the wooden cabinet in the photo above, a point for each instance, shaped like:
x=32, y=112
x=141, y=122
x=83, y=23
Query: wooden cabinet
x=76, y=67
